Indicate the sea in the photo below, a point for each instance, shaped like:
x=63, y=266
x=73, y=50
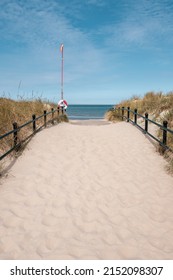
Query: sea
x=85, y=112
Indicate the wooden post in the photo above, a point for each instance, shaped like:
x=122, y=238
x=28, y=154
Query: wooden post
x=122, y=113
x=165, y=124
x=128, y=114
x=45, y=112
x=15, y=133
x=34, y=123
x=146, y=122
x=135, y=116
x=62, y=110
x=52, y=116
x=58, y=111
x=119, y=112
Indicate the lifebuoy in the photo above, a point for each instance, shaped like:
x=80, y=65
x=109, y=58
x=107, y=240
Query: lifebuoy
x=63, y=104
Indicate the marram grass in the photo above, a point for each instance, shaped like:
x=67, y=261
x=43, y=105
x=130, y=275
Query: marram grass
x=21, y=112
x=159, y=107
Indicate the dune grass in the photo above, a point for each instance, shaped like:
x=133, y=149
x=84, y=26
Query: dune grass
x=21, y=112
x=152, y=102
x=159, y=106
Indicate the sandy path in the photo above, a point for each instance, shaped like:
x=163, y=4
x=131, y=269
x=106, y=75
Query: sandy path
x=87, y=192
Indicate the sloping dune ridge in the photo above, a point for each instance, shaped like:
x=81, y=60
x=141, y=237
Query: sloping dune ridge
x=84, y=190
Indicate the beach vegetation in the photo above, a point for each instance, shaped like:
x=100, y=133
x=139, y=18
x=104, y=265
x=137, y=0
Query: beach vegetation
x=113, y=115
x=159, y=107
x=21, y=111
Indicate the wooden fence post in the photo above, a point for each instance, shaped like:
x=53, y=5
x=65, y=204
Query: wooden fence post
x=122, y=113
x=146, y=122
x=165, y=124
x=128, y=114
x=34, y=123
x=62, y=110
x=135, y=116
x=119, y=112
x=15, y=133
x=45, y=117
x=52, y=116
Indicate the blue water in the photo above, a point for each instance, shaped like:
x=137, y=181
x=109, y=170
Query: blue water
x=85, y=112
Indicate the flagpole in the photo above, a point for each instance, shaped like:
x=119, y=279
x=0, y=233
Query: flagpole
x=62, y=71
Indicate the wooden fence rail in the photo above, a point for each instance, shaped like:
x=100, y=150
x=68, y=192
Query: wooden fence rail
x=35, y=128
x=124, y=114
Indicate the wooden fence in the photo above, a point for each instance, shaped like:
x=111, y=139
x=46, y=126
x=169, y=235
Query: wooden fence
x=132, y=116
x=17, y=143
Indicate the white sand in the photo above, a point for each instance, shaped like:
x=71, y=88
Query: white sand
x=87, y=192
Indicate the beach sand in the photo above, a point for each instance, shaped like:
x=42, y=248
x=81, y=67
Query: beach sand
x=87, y=190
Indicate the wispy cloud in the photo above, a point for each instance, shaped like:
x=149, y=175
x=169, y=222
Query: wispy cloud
x=143, y=24
x=96, y=34
x=32, y=22
x=99, y=3
x=41, y=26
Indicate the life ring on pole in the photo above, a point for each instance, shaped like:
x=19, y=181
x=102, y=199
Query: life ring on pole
x=62, y=104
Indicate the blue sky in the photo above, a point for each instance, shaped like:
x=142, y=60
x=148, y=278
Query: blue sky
x=113, y=49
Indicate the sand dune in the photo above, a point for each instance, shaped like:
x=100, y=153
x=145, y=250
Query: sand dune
x=87, y=191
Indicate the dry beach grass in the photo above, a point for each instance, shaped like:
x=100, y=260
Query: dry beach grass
x=17, y=111
x=159, y=106
x=21, y=112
